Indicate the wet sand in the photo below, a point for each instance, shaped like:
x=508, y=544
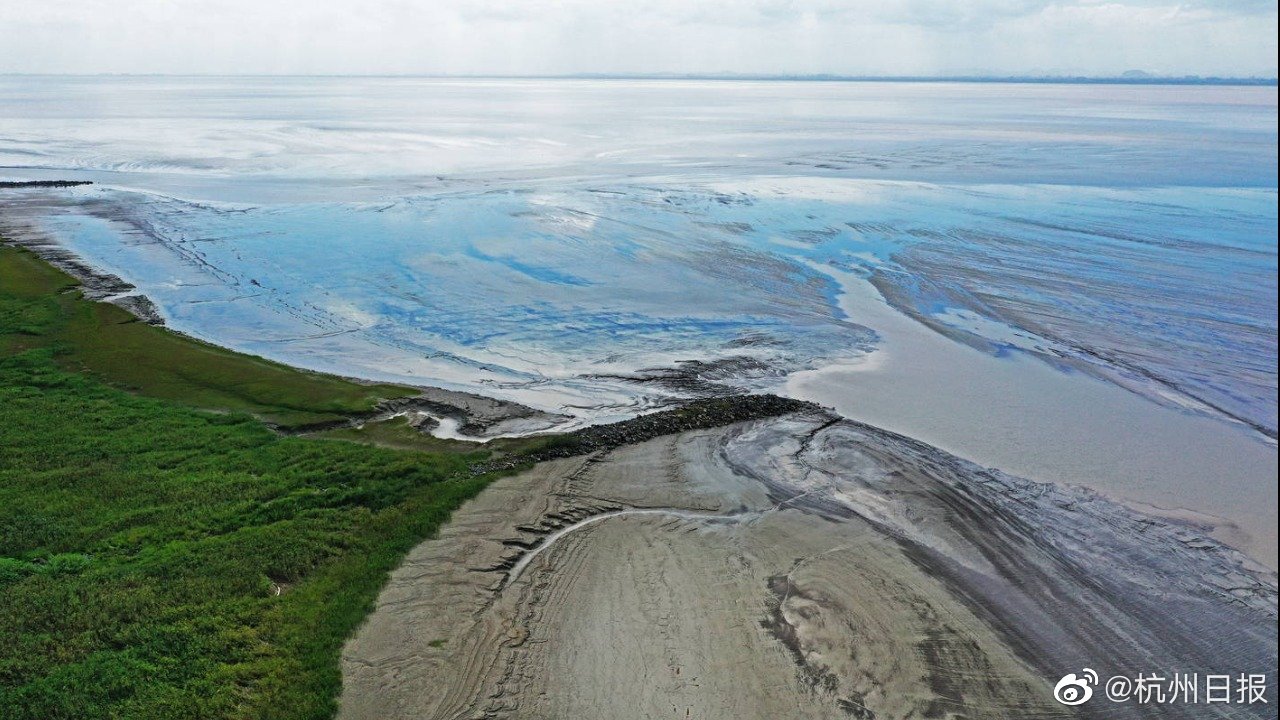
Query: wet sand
x=798, y=567
x=1019, y=414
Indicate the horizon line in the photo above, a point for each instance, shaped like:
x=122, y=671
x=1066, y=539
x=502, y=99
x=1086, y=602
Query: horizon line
x=1121, y=79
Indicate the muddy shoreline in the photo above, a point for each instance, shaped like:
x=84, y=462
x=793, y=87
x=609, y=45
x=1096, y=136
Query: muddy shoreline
x=94, y=283
x=478, y=416
x=1105, y=366
x=797, y=566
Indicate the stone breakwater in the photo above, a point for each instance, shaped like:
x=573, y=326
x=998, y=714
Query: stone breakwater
x=19, y=184
x=699, y=414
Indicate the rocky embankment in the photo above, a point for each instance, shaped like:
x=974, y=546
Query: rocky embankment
x=698, y=414
x=18, y=184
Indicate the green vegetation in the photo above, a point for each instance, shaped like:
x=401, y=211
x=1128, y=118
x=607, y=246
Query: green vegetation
x=108, y=342
x=159, y=560
x=165, y=554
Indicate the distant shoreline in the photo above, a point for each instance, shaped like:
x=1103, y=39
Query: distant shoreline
x=981, y=79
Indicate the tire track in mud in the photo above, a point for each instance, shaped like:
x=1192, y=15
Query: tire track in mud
x=514, y=573
x=794, y=567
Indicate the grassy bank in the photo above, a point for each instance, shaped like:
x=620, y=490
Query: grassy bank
x=162, y=560
x=111, y=344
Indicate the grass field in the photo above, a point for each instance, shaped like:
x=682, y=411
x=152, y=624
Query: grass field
x=163, y=554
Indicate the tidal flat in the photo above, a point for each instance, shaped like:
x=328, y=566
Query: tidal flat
x=1031, y=331
x=804, y=566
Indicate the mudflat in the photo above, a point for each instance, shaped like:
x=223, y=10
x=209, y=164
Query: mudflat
x=797, y=567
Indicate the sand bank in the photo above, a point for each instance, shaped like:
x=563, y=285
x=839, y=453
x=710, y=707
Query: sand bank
x=801, y=567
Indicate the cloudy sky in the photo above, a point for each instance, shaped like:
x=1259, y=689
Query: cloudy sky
x=531, y=37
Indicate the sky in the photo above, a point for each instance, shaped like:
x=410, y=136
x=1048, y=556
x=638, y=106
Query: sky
x=554, y=37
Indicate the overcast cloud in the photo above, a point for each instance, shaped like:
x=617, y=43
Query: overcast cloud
x=530, y=37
